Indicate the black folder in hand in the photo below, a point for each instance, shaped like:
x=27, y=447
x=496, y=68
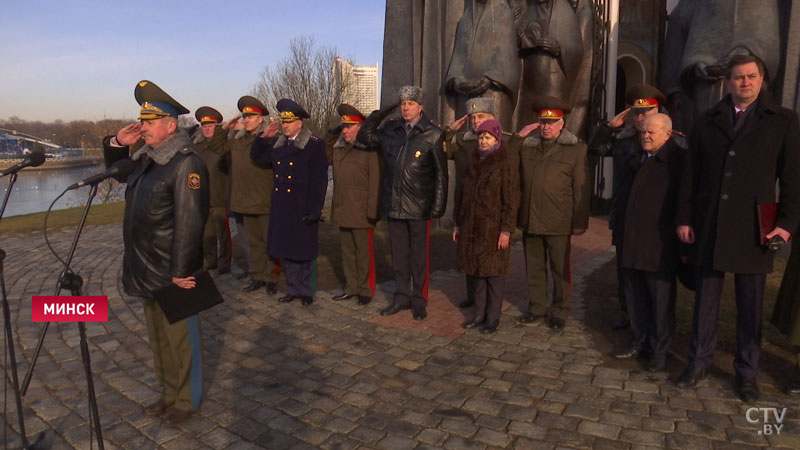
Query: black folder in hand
x=179, y=303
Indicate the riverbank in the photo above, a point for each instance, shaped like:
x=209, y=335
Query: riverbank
x=57, y=163
x=99, y=214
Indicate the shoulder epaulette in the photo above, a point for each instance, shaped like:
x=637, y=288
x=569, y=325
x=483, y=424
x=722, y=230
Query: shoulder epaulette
x=186, y=150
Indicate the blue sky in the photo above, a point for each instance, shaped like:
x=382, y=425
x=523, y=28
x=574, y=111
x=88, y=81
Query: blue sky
x=75, y=60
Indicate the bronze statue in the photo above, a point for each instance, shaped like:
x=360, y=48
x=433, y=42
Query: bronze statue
x=485, y=61
x=555, y=43
x=701, y=37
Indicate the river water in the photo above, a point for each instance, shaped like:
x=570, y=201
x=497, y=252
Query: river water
x=36, y=189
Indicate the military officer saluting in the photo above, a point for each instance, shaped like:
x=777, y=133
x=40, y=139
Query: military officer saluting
x=251, y=189
x=356, y=185
x=300, y=181
x=210, y=143
x=166, y=205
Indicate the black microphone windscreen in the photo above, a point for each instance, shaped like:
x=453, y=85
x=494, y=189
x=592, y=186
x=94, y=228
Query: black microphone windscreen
x=37, y=159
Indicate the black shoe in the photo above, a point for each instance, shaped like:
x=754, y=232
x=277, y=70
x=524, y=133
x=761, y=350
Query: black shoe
x=344, y=296
x=623, y=323
x=554, y=323
x=254, y=285
x=490, y=327
x=793, y=387
x=690, y=377
x=364, y=300
x=747, y=389
x=286, y=298
x=476, y=322
x=223, y=270
x=656, y=363
x=466, y=303
x=271, y=288
x=527, y=319
x=392, y=309
x=420, y=314
x=630, y=353
x=306, y=300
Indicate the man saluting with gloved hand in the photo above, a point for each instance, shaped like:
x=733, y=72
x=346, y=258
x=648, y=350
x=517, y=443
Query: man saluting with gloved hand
x=301, y=179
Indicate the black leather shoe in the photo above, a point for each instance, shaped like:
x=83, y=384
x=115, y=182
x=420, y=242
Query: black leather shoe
x=419, y=314
x=554, y=323
x=527, y=319
x=364, y=300
x=623, y=323
x=254, y=285
x=344, y=296
x=656, y=364
x=630, y=353
x=466, y=303
x=286, y=298
x=223, y=270
x=306, y=300
x=476, y=322
x=271, y=288
x=793, y=387
x=690, y=377
x=392, y=309
x=747, y=389
x=490, y=327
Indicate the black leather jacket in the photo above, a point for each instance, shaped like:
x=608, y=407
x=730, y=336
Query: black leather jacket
x=166, y=207
x=415, y=165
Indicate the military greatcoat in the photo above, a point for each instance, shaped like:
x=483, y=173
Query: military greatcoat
x=300, y=181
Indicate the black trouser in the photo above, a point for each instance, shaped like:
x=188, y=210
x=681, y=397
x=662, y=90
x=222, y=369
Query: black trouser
x=651, y=308
x=409, y=242
x=623, y=303
x=488, y=292
x=749, y=299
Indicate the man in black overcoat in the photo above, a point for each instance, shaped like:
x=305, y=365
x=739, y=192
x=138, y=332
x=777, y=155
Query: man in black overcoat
x=737, y=151
x=650, y=253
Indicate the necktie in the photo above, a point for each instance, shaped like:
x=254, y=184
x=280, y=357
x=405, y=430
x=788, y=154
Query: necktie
x=408, y=128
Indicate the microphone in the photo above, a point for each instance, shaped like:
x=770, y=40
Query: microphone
x=35, y=159
x=120, y=169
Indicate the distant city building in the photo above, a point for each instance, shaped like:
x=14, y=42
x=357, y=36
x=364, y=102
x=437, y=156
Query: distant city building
x=360, y=83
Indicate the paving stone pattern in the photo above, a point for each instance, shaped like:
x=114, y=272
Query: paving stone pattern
x=339, y=376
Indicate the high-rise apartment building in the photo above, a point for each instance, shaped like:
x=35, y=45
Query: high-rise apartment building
x=361, y=84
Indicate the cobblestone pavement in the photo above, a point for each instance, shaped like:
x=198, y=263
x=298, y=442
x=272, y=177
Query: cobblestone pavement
x=338, y=376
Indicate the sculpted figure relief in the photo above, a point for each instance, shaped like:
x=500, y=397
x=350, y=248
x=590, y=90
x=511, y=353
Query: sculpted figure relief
x=555, y=43
x=485, y=61
x=701, y=38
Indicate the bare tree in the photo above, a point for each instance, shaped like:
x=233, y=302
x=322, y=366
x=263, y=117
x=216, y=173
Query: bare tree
x=306, y=76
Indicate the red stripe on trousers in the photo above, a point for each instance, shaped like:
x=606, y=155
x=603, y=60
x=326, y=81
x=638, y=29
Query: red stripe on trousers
x=371, y=276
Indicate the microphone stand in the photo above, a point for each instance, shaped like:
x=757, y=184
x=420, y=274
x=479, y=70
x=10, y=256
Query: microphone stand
x=9, y=331
x=73, y=282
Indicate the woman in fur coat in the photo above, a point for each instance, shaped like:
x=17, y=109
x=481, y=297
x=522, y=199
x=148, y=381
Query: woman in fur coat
x=485, y=214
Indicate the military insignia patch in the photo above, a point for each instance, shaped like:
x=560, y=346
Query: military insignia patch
x=194, y=181
x=416, y=155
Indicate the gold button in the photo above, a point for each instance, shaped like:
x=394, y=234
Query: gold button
x=279, y=163
x=276, y=189
x=290, y=177
x=291, y=163
x=276, y=176
x=288, y=190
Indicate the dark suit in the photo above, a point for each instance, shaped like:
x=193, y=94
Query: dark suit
x=650, y=245
x=729, y=170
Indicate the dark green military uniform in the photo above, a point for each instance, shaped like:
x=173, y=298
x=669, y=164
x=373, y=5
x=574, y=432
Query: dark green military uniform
x=251, y=193
x=216, y=237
